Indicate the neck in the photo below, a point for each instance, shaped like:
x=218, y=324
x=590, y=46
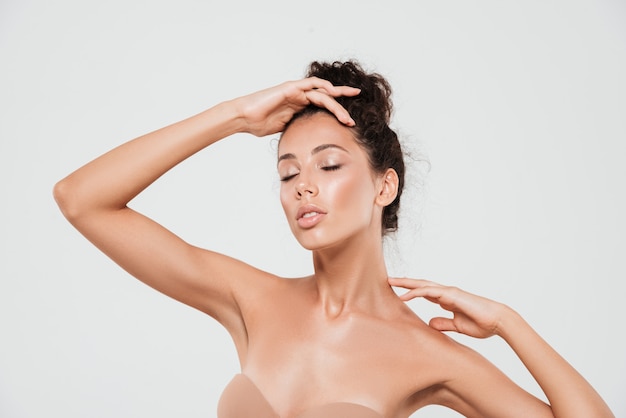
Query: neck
x=352, y=278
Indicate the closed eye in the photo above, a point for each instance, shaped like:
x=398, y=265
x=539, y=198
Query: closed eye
x=331, y=167
x=288, y=177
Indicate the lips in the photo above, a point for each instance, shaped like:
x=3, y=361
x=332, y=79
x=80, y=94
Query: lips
x=309, y=215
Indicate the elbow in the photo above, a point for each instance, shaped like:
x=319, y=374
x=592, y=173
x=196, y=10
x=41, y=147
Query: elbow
x=65, y=197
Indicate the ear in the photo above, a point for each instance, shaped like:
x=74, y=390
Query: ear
x=388, y=188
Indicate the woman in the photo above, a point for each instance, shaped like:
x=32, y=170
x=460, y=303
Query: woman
x=339, y=343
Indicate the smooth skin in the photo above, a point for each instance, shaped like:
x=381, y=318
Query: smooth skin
x=342, y=334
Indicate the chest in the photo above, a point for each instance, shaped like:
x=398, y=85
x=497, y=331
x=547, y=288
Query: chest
x=298, y=359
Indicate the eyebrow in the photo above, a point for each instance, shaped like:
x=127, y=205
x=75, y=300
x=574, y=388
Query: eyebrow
x=319, y=148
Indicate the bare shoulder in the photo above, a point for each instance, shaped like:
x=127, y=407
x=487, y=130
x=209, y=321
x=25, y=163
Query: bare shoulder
x=456, y=376
x=427, y=350
x=263, y=295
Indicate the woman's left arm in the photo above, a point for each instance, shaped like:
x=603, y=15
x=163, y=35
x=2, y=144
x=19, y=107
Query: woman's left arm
x=568, y=393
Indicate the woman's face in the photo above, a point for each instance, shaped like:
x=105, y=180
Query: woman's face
x=328, y=190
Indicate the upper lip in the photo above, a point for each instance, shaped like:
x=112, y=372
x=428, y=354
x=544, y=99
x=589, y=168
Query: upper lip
x=307, y=209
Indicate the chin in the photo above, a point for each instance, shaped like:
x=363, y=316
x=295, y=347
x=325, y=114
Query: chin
x=323, y=238
x=316, y=242
x=313, y=245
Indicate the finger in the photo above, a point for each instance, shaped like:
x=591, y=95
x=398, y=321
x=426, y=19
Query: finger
x=316, y=83
x=432, y=293
x=345, y=91
x=339, y=91
x=324, y=100
x=410, y=283
x=442, y=324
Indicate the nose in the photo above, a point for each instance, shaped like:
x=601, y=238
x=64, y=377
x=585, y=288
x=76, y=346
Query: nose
x=305, y=188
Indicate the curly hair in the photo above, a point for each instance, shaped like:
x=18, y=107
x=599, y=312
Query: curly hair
x=371, y=110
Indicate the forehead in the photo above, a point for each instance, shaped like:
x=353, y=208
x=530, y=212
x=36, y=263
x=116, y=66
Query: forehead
x=307, y=133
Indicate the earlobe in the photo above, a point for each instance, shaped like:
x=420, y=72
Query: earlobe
x=388, y=188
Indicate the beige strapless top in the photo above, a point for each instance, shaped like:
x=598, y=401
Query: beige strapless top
x=242, y=399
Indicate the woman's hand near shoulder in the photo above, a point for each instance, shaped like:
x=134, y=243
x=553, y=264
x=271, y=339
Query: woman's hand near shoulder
x=94, y=199
x=483, y=390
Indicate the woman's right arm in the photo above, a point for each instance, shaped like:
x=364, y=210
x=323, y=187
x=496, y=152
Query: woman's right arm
x=94, y=198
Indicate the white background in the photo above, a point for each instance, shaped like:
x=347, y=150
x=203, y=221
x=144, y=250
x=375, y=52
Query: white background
x=519, y=108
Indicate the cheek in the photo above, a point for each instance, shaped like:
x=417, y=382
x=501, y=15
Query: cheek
x=353, y=191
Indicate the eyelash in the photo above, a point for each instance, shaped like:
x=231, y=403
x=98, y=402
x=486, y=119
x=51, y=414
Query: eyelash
x=327, y=168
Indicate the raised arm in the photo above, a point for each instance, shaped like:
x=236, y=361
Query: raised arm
x=568, y=393
x=94, y=198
